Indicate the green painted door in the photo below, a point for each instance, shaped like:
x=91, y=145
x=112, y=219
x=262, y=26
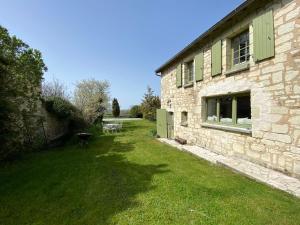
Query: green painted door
x=170, y=125
x=161, y=123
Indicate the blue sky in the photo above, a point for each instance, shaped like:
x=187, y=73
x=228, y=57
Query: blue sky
x=122, y=41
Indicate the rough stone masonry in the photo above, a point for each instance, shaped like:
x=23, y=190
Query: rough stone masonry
x=274, y=86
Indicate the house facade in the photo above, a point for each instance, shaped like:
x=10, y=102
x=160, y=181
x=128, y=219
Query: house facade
x=235, y=90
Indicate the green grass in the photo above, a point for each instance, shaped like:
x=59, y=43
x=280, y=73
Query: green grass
x=130, y=178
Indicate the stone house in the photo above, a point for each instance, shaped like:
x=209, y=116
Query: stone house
x=235, y=90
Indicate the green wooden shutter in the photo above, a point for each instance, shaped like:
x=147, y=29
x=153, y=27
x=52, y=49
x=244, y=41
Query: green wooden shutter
x=199, y=66
x=263, y=33
x=216, y=58
x=179, y=76
x=161, y=123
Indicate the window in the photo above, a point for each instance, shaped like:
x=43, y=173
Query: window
x=232, y=110
x=189, y=72
x=240, y=48
x=184, y=119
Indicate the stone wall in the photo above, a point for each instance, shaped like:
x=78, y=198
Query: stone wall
x=274, y=85
x=55, y=128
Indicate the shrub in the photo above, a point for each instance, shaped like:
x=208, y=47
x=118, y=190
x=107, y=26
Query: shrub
x=150, y=104
x=77, y=123
x=136, y=111
x=153, y=133
x=60, y=107
x=95, y=130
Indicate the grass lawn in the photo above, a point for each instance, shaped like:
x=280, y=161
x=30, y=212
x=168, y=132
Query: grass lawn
x=130, y=178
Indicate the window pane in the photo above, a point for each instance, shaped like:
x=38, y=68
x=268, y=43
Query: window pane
x=236, y=61
x=248, y=57
x=235, y=45
x=242, y=59
x=212, y=110
x=236, y=54
x=189, y=72
x=243, y=52
x=244, y=110
x=240, y=46
x=243, y=38
x=226, y=109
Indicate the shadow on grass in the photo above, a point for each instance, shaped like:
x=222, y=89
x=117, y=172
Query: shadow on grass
x=120, y=181
x=133, y=127
x=75, y=186
x=108, y=143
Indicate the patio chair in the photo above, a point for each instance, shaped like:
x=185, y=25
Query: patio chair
x=106, y=128
x=114, y=129
x=120, y=126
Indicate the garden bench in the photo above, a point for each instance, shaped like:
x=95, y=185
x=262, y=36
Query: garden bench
x=181, y=141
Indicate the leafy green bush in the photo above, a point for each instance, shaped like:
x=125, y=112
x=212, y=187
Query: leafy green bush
x=77, y=123
x=136, y=111
x=153, y=132
x=95, y=130
x=60, y=107
x=150, y=104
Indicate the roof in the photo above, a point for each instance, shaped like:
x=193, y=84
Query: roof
x=233, y=14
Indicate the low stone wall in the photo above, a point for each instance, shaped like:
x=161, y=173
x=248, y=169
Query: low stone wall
x=54, y=127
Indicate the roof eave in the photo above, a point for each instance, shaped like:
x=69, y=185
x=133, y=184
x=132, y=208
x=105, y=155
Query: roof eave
x=205, y=34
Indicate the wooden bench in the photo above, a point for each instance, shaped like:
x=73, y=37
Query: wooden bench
x=181, y=141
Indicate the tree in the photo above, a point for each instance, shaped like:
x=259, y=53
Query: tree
x=100, y=113
x=91, y=97
x=115, y=108
x=149, y=105
x=21, y=71
x=7, y=107
x=136, y=111
x=54, y=88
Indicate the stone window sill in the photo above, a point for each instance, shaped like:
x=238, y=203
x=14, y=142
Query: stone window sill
x=238, y=68
x=227, y=128
x=188, y=85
